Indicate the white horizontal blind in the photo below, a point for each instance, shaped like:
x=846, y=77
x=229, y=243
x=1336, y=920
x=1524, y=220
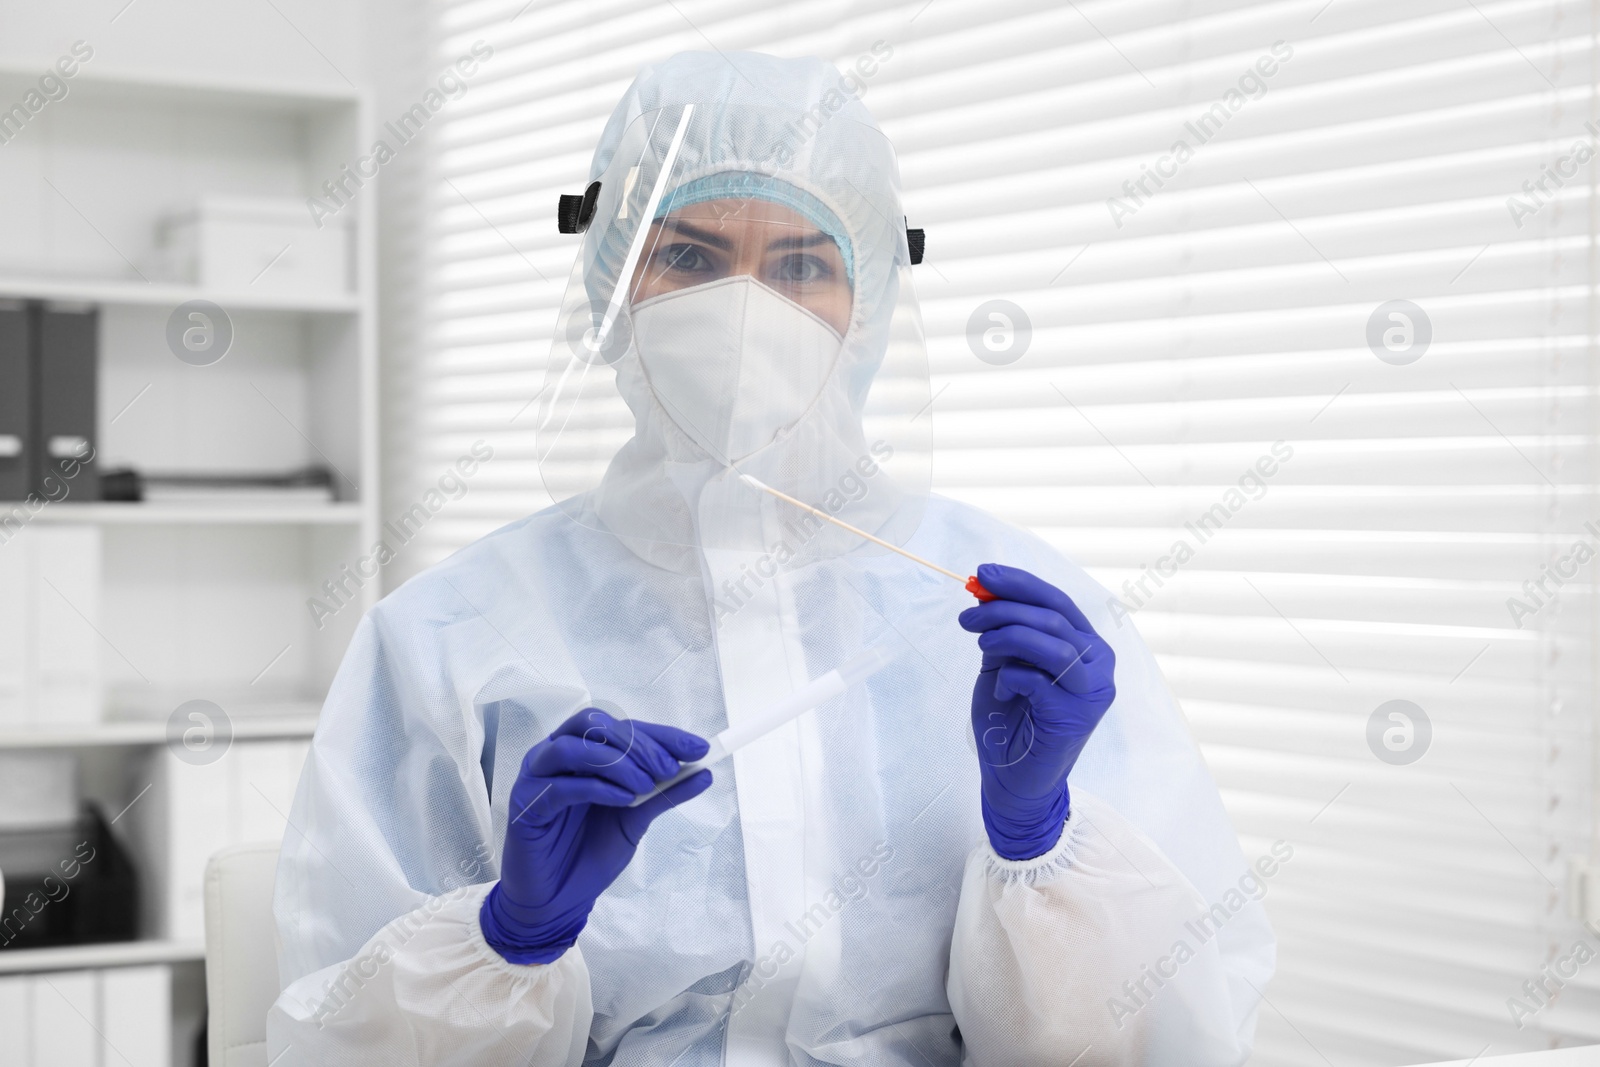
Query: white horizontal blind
x=1339, y=156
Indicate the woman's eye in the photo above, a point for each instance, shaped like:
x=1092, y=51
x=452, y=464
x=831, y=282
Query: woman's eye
x=683, y=258
x=802, y=269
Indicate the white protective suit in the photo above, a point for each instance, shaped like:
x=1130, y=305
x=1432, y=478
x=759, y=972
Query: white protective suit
x=832, y=898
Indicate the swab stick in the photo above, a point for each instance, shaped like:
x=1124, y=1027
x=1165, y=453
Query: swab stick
x=971, y=584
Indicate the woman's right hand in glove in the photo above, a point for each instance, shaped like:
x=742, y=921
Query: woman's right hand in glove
x=570, y=831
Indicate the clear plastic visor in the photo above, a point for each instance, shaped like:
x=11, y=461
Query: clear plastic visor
x=732, y=313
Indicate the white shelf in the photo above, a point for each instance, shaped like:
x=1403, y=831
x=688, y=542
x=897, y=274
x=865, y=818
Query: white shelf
x=171, y=514
x=166, y=88
x=116, y=954
x=152, y=732
x=160, y=294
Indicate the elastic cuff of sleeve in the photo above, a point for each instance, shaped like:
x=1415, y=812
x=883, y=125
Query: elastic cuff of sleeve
x=515, y=942
x=1040, y=868
x=1028, y=839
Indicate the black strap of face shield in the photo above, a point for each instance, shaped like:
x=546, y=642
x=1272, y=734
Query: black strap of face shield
x=574, y=212
x=917, y=242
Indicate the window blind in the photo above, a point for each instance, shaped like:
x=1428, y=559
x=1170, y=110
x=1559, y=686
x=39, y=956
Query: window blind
x=1295, y=354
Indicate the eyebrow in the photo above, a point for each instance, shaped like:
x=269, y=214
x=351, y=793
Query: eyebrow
x=715, y=240
x=815, y=237
x=710, y=238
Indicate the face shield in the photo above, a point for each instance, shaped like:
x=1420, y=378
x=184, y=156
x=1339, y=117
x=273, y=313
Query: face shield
x=742, y=304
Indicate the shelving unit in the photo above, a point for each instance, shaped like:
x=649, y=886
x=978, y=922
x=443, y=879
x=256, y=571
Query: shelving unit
x=155, y=294
x=168, y=90
x=84, y=957
x=254, y=727
x=240, y=514
x=207, y=599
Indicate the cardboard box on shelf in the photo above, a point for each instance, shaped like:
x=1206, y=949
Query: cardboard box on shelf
x=38, y=789
x=194, y=810
x=264, y=244
x=50, y=648
x=120, y=1015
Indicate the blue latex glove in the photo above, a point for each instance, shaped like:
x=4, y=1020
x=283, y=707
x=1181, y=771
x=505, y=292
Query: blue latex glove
x=571, y=833
x=1047, y=679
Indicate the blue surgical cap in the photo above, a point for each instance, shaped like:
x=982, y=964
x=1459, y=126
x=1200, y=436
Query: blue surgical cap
x=744, y=185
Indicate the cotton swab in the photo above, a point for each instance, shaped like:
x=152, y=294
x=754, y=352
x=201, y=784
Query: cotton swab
x=811, y=695
x=972, y=585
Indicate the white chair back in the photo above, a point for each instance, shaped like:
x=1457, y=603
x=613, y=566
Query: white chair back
x=241, y=953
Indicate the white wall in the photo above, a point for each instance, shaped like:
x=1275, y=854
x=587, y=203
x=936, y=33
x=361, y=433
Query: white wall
x=312, y=42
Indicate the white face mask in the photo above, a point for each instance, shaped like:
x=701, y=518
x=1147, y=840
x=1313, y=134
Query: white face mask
x=733, y=362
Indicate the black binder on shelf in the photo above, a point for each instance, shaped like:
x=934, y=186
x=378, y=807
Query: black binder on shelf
x=66, y=388
x=16, y=401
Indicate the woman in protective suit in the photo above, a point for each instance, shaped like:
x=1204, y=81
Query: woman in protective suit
x=1001, y=850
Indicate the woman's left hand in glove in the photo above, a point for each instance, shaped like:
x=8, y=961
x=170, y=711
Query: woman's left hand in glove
x=1046, y=681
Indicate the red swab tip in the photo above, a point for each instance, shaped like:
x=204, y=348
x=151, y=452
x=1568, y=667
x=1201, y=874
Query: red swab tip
x=976, y=588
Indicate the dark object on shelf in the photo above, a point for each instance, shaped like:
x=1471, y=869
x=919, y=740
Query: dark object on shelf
x=66, y=372
x=121, y=484
x=127, y=484
x=16, y=414
x=67, y=885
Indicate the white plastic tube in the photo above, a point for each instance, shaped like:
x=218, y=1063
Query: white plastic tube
x=811, y=695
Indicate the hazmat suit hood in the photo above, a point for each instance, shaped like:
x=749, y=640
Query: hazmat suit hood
x=839, y=424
